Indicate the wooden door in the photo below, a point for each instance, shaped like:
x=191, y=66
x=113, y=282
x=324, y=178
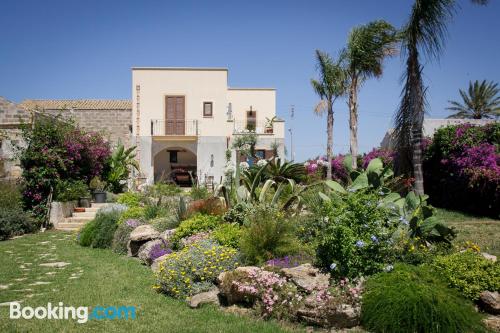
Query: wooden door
x=174, y=115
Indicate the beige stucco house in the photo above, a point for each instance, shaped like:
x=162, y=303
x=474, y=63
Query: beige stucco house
x=185, y=119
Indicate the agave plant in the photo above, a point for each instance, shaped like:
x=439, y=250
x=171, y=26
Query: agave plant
x=280, y=171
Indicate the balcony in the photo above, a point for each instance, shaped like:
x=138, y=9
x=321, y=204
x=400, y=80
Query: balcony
x=259, y=127
x=174, y=129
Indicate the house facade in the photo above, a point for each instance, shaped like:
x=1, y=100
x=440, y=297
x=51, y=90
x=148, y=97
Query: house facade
x=185, y=120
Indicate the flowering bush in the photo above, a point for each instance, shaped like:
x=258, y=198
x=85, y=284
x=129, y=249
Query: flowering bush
x=132, y=213
x=199, y=263
x=356, y=240
x=386, y=155
x=195, y=224
x=228, y=234
x=319, y=166
x=130, y=199
x=462, y=168
x=159, y=250
x=271, y=294
x=289, y=261
x=57, y=150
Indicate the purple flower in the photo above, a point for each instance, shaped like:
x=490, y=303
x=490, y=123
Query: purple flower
x=132, y=223
x=159, y=250
x=374, y=238
x=360, y=243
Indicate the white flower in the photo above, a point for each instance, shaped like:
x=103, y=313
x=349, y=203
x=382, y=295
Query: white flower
x=333, y=266
x=261, y=163
x=388, y=268
x=306, y=164
x=244, y=165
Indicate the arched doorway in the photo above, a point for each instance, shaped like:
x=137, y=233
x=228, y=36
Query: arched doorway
x=175, y=164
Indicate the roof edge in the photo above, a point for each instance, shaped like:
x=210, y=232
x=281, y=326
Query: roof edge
x=182, y=68
x=235, y=88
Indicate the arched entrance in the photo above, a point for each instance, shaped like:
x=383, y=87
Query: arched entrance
x=175, y=164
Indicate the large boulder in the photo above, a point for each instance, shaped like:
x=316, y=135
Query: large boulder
x=490, y=302
x=167, y=234
x=489, y=256
x=155, y=265
x=209, y=297
x=307, y=277
x=228, y=285
x=315, y=312
x=140, y=235
x=144, y=253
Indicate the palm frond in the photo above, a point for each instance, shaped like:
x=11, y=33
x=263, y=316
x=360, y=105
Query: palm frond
x=482, y=100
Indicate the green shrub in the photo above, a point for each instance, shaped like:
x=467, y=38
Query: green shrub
x=132, y=213
x=87, y=234
x=237, y=213
x=165, y=223
x=356, y=239
x=69, y=190
x=469, y=272
x=199, y=192
x=193, y=225
x=268, y=233
x=187, y=270
x=105, y=227
x=15, y=222
x=131, y=199
x=122, y=235
x=228, y=234
x=10, y=196
x=414, y=299
x=99, y=232
x=159, y=190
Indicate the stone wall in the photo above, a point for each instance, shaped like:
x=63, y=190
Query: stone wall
x=113, y=124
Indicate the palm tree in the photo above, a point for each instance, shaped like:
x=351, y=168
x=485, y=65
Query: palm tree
x=481, y=101
x=424, y=33
x=329, y=87
x=367, y=47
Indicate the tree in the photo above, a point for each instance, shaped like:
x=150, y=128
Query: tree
x=330, y=86
x=424, y=33
x=367, y=47
x=482, y=100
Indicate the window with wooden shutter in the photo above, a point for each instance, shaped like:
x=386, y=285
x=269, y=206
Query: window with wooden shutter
x=207, y=109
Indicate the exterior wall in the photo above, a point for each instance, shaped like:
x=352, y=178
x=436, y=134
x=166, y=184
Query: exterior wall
x=113, y=124
x=10, y=118
x=150, y=86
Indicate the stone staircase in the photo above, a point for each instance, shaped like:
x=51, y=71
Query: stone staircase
x=78, y=220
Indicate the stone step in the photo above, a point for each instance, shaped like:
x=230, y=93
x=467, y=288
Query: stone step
x=79, y=219
x=67, y=229
x=86, y=214
x=69, y=225
x=91, y=210
x=98, y=205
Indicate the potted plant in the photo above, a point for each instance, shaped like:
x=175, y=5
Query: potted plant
x=268, y=128
x=98, y=188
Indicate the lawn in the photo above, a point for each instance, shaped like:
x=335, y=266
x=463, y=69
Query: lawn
x=98, y=277
x=483, y=231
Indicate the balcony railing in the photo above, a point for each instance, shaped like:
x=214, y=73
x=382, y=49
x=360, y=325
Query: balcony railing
x=163, y=127
x=259, y=127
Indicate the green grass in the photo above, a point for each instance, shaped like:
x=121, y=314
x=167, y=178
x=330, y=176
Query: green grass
x=100, y=277
x=483, y=231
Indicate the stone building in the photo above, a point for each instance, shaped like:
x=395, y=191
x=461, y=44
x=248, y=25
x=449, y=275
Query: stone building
x=112, y=118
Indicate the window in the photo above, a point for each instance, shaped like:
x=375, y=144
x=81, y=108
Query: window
x=173, y=157
x=207, y=109
x=251, y=120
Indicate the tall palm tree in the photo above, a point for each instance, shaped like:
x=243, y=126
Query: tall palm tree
x=329, y=87
x=481, y=101
x=367, y=47
x=425, y=33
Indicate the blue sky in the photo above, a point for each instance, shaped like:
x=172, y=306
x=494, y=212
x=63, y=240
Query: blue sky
x=84, y=49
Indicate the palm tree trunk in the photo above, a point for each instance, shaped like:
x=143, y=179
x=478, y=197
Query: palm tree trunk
x=329, y=143
x=353, y=120
x=417, y=159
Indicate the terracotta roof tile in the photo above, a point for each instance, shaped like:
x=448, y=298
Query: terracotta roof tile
x=77, y=104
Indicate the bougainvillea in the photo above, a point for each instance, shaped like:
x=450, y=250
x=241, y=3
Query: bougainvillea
x=318, y=166
x=386, y=155
x=462, y=168
x=56, y=150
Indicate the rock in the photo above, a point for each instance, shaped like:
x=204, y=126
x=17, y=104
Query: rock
x=155, y=266
x=144, y=232
x=490, y=302
x=489, y=256
x=167, y=234
x=209, y=297
x=228, y=289
x=341, y=316
x=237, y=310
x=493, y=323
x=307, y=277
x=145, y=250
x=140, y=235
x=59, y=264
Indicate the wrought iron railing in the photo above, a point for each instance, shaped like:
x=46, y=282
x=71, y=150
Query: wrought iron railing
x=258, y=127
x=163, y=127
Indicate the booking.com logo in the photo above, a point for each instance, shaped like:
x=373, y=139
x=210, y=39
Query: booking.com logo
x=81, y=314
